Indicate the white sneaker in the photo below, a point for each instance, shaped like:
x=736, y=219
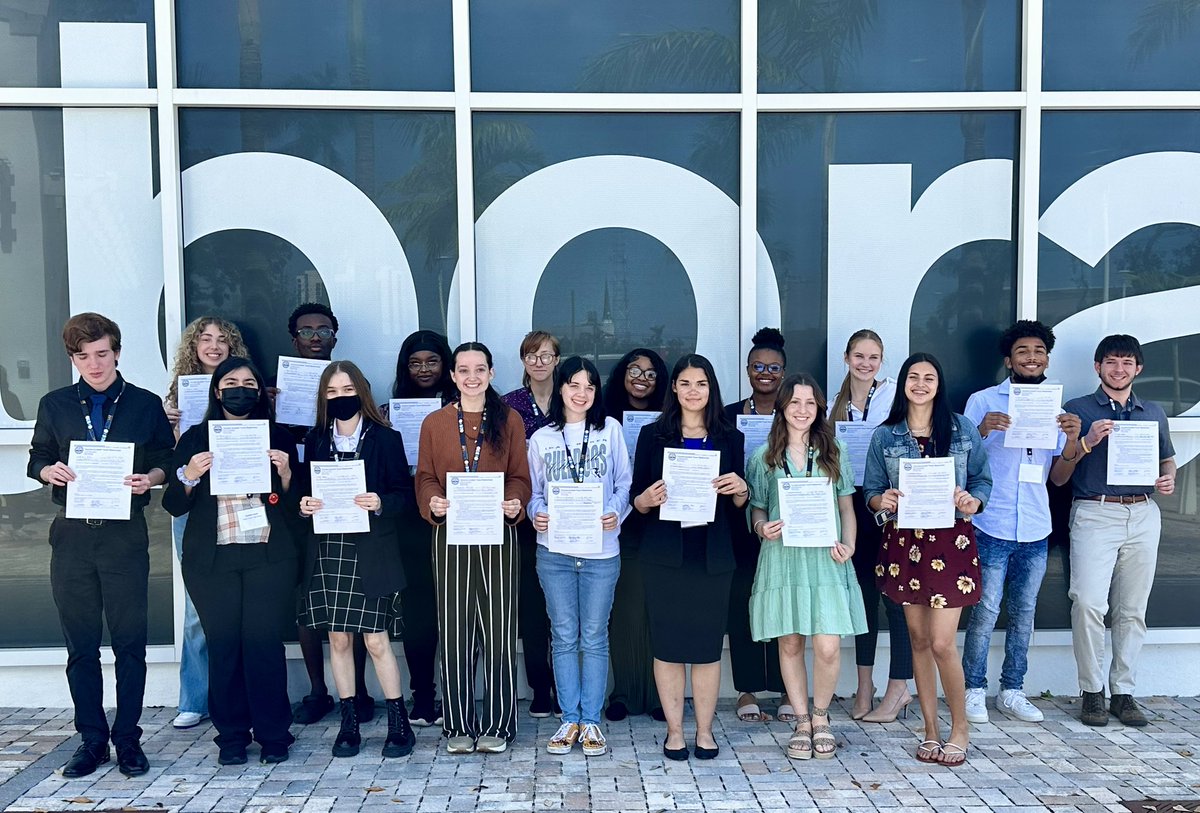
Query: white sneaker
x=977, y=706
x=188, y=719
x=593, y=741
x=1013, y=703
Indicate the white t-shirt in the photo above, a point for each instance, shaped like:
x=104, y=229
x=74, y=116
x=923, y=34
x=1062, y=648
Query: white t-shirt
x=607, y=462
x=877, y=409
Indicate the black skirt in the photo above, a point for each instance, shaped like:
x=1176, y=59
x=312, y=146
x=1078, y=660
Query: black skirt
x=335, y=600
x=688, y=606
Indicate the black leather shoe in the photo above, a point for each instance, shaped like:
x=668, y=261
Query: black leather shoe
x=131, y=759
x=232, y=755
x=1125, y=709
x=1093, y=712
x=85, y=760
x=313, y=708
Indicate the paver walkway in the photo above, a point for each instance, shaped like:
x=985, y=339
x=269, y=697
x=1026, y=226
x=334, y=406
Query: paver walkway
x=1059, y=765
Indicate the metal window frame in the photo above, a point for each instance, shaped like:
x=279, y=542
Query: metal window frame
x=167, y=99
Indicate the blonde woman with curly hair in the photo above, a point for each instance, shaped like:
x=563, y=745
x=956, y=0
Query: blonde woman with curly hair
x=204, y=344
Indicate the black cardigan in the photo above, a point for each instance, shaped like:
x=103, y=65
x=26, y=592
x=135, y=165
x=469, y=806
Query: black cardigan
x=200, y=538
x=382, y=451
x=662, y=541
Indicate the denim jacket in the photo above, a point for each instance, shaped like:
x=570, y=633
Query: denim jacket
x=891, y=444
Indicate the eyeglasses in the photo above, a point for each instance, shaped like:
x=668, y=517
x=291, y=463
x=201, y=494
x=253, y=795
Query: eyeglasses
x=635, y=371
x=773, y=369
x=540, y=358
x=418, y=366
x=310, y=333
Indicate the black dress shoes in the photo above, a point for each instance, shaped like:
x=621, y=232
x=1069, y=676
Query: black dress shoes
x=131, y=759
x=231, y=755
x=85, y=760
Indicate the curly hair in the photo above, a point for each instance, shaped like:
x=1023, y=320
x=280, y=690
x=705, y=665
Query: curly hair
x=186, y=360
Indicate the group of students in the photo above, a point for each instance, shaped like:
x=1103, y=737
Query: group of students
x=670, y=592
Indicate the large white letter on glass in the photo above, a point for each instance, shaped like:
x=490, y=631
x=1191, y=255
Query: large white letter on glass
x=881, y=245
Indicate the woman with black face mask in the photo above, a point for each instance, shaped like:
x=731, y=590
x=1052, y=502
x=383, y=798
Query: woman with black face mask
x=353, y=580
x=240, y=567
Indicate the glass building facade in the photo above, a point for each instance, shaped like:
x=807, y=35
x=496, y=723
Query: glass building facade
x=671, y=174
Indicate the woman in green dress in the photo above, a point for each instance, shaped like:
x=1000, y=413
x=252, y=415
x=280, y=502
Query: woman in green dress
x=804, y=592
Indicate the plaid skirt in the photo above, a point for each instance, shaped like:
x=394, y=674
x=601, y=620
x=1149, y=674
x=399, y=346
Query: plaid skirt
x=335, y=600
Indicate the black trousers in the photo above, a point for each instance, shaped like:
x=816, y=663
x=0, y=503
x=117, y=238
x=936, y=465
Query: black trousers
x=419, y=607
x=755, y=663
x=97, y=574
x=533, y=621
x=477, y=618
x=245, y=606
x=629, y=641
x=866, y=556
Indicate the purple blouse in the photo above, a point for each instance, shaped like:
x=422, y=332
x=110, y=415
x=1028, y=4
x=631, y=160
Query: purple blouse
x=521, y=399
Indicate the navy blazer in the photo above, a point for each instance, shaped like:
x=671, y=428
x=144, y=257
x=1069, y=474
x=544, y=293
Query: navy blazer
x=382, y=451
x=200, y=538
x=662, y=541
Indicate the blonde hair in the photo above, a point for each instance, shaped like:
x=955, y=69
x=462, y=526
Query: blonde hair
x=532, y=341
x=842, y=402
x=186, y=360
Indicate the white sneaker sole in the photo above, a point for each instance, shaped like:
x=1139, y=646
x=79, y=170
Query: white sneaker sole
x=595, y=751
x=559, y=750
x=1013, y=715
x=977, y=717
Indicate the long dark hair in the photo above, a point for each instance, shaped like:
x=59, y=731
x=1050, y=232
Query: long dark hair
x=562, y=375
x=404, y=387
x=820, y=434
x=616, y=399
x=670, y=422
x=943, y=416
x=369, y=411
x=497, y=410
x=262, y=410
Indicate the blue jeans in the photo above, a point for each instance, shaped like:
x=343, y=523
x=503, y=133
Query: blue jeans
x=193, y=665
x=1019, y=567
x=579, y=598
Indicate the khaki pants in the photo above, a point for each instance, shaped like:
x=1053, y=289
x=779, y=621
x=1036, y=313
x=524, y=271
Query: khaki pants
x=1114, y=550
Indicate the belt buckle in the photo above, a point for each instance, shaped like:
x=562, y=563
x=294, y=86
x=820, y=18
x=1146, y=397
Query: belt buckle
x=95, y=523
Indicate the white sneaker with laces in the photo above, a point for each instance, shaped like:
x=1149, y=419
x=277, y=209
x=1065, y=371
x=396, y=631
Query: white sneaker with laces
x=188, y=719
x=593, y=741
x=1013, y=703
x=977, y=706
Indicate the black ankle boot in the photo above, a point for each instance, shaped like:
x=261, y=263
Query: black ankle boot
x=348, y=739
x=400, y=738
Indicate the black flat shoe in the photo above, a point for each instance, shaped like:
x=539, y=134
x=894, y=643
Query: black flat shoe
x=131, y=759
x=85, y=760
x=312, y=709
x=707, y=753
x=616, y=711
x=273, y=754
x=232, y=755
x=677, y=754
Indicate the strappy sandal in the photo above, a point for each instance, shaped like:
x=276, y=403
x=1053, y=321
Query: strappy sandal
x=800, y=746
x=750, y=712
x=959, y=753
x=929, y=751
x=823, y=735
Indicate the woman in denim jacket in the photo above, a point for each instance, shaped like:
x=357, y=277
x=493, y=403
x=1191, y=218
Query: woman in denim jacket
x=932, y=572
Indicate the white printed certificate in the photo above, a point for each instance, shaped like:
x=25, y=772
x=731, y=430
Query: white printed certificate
x=1133, y=453
x=98, y=490
x=575, y=510
x=406, y=416
x=240, y=464
x=192, y=395
x=475, y=516
x=1033, y=410
x=927, y=484
x=857, y=437
x=808, y=511
x=631, y=425
x=755, y=428
x=691, y=497
x=336, y=484
x=297, y=380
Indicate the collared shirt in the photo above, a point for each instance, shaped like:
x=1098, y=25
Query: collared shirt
x=139, y=419
x=1018, y=512
x=877, y=410
x=1091, y=473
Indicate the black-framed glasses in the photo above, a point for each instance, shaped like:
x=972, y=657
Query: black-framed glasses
x=635, y=371
x=540, y=358
x=418, y=366
x=773, y=369
x=310, y=333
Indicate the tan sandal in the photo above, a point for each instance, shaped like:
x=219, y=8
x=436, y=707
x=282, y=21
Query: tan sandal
x=800, y=746
x=749, y=711
x=823, y=736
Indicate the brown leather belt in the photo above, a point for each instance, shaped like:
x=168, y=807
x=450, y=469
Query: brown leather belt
x=1127, y=499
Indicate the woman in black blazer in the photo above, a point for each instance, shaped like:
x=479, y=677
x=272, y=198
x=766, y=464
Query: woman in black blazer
x=353, y=580
x=688, y=571
x=240, y=566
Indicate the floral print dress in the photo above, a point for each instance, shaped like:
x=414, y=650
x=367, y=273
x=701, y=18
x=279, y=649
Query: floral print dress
x=938, y=567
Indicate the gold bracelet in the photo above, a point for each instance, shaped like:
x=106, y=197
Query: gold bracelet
x=1083, y=443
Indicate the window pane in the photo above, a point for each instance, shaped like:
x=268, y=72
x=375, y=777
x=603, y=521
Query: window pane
x=33, y=276
x=359, y=44
x=624, y=227
x=29, y=37
x=1121, y=45
x=354, y=209
x=823, y=46
x=669, y=46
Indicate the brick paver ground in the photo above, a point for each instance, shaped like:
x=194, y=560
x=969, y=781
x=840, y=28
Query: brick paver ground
x=1059, y=765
